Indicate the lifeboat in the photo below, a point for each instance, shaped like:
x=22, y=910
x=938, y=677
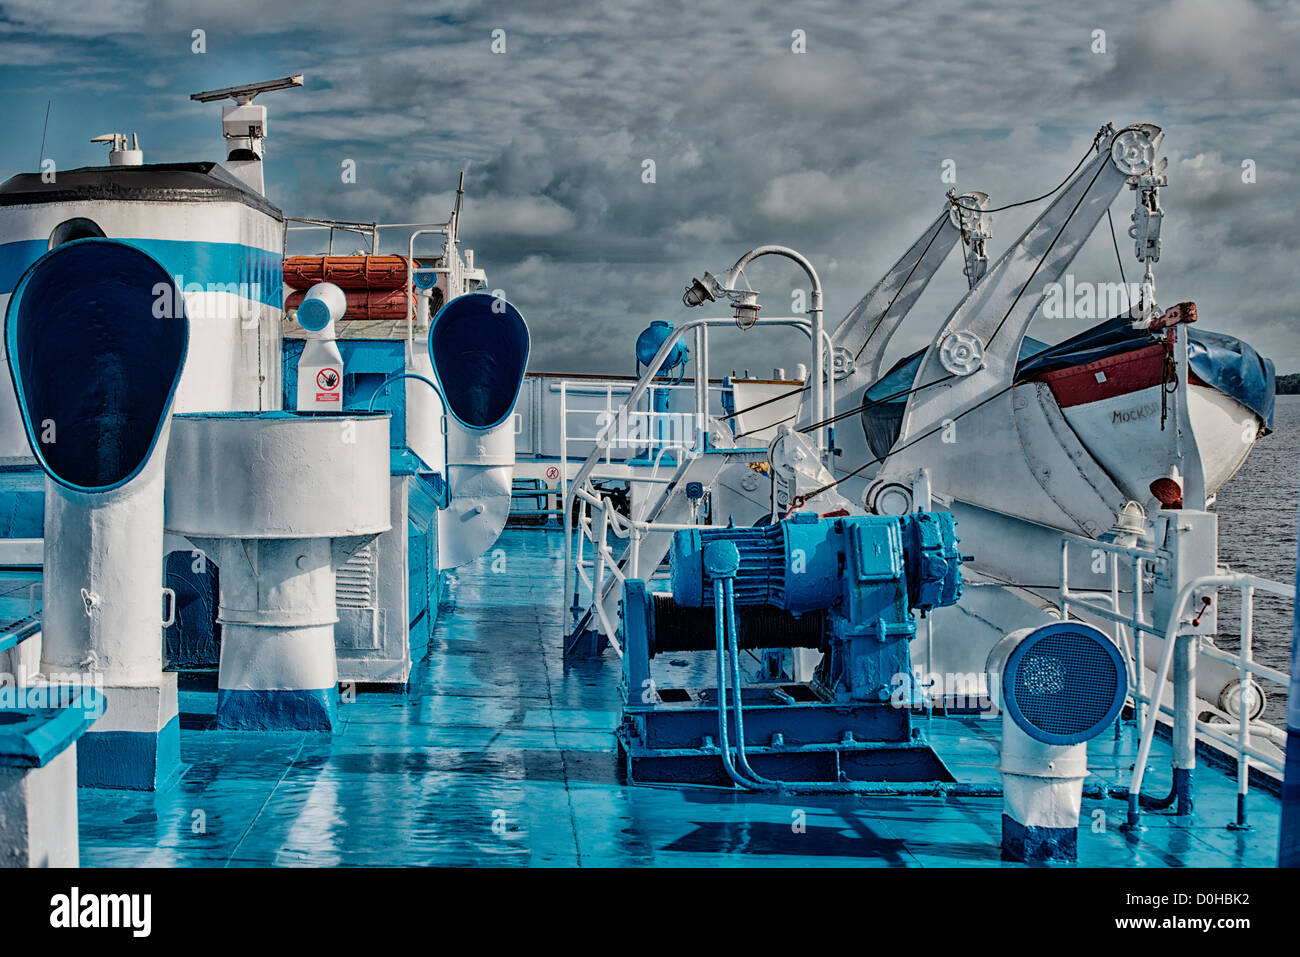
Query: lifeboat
x=347, y=272
x=1110, y=382
x=1112, y=385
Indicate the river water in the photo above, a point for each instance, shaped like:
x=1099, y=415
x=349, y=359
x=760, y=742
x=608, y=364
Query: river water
x=1257, y=534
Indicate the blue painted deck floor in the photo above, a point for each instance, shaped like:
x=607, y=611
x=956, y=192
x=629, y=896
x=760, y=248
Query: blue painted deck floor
x=501, y=754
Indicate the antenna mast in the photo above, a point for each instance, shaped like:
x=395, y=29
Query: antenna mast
x=460, y=198
x=244, y=125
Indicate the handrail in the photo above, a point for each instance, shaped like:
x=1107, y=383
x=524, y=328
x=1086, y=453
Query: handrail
x=372, y=231
x=445, y=230
x=651, y=372
x=1136, y=621
x=1247, y=584
x=603, y=444
x=1148, y=708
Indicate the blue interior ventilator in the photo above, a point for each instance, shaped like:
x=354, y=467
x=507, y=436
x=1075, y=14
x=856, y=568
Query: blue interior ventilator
x=478, y=344
x=847, y=586
x=105, y=383
x=97, y=335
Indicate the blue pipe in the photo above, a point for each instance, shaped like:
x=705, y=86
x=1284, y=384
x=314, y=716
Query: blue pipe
x=724, y=616
x=718, y=612
x=724, y=605
x=1150, y=802
x=383, y=387
x=729, y=597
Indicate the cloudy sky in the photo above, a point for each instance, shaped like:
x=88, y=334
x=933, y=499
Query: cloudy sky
x=837, y=150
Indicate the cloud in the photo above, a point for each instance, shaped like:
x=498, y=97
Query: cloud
x=75, y=18
x=526, y=216
x=1208, y=49
x=838, y=151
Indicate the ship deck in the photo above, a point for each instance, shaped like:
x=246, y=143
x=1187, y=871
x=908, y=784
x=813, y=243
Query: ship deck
x=501, y=753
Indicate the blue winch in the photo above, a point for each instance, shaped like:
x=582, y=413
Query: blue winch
x=847, y=586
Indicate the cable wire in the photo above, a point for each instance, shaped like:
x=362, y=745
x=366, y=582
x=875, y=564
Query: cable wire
x=939, y=428
x=915, y=265
x=1118, y=258
x=1037, y=199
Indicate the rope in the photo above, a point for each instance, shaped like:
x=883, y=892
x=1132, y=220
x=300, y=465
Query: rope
x=1118, y=258
x=759, y=405
x=1037, y=199
x=1046, y=252
x=906, y=445
x=1041, y=259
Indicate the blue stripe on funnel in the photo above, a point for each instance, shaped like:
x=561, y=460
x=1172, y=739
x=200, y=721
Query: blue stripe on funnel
x=241, y=709
x=260, y=271
x=16, y=259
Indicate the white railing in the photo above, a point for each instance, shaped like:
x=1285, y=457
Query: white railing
x=372, y=232
x=1139, y=623
x=626, y=434
x=646, y=440
x=576, y=486
x=1247, y=668
x=1136, y=623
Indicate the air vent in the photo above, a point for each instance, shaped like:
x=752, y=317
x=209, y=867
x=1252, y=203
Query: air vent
x=1064, y=683
x=355, y=582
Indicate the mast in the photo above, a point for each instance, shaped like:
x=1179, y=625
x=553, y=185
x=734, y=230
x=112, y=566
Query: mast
x=460, y=199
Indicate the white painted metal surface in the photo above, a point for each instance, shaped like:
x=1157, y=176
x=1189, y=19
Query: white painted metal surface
x=995, y=314
x=320, y=366
x=38, y=814
x=234, y=355
x=281, y=476
x=102, y=602
x=1123, y=434
x=283, y=501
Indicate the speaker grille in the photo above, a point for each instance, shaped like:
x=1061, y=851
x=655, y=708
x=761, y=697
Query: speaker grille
x=1065, y=683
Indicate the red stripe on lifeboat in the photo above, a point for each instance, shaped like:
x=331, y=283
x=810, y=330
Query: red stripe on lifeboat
x=1109, y=377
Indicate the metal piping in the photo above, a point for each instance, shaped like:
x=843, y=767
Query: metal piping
x=725, y=597
x=1162, y=674
x=720, y=605
x=730, y=598
x=817, y=373
x=383, y=387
